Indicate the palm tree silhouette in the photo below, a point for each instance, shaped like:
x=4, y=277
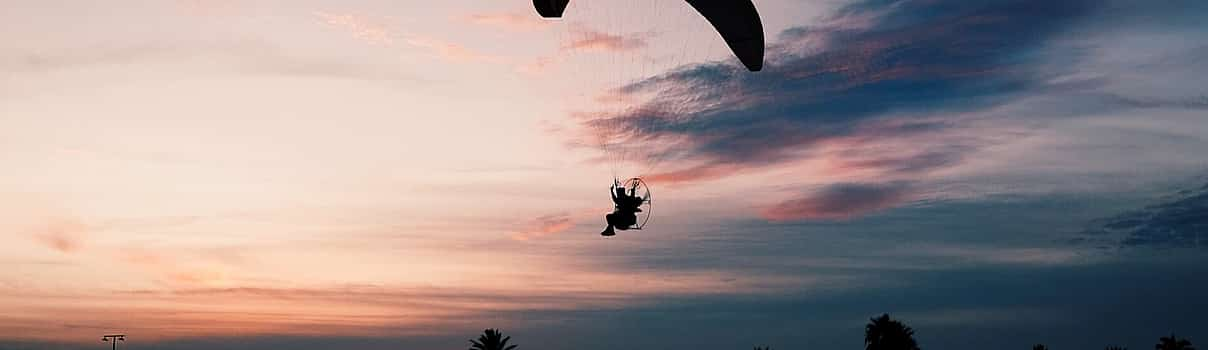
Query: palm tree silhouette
x=883, y=333
x=1173, y=343
x=1039, y=347
x=491, y=339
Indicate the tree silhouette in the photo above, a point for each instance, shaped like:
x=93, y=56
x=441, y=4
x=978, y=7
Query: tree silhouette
x=763, y=348
x=1173, y=343
x=883, y=333
x=1039, y=347
x=491, y=339
x=1114, y=347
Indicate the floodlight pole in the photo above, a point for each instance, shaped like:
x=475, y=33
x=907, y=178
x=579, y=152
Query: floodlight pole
x=113, y=338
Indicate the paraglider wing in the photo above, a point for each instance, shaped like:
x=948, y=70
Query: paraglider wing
x=550, y=8
x=739, y=25
x=736, y=20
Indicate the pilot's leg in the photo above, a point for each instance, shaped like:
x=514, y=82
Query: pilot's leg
x=611, y=218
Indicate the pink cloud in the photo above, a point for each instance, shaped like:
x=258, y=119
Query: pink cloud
x=541, y=64
x=185, y=268
x=370, y=30
x=591, y=40
x=545, y=226
x=374, y=31
x=839, y=202
x=694, y=174
x=579, y=40
x=449, y=50
x=62, y=235
x=209, y=8
x=509, y=21
x=552, y=224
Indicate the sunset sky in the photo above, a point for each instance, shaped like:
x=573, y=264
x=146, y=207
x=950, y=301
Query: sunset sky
x=401, y=174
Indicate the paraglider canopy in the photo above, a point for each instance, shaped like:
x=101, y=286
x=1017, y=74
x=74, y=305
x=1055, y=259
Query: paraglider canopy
x=737, y=21
x=550, y=8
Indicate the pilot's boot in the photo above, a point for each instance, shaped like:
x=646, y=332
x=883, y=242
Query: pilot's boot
x=608, y=232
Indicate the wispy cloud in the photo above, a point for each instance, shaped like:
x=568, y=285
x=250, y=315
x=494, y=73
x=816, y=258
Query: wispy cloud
x=913, y=59
x=840, y=201
x=371, y=30
x=585, y=39
x=540, y=65
x=183, y=268
x=995, y=255
x=510, y=21
x=1178, y=221
x=376, y=31
x=449, y=50
x=209, y=7
x=551, y=224
x=544, y=226
x=244, y=57
x=881, y=92
x=63, y=235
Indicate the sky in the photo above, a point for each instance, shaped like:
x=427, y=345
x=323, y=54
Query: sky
x=404, y=174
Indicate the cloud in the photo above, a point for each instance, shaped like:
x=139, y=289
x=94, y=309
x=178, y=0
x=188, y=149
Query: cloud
x=209, y=8
x=551, y=224
x=370, y=30
x=583, y=39
x=899, y=59
x=580, y=39
x=509, y=21
x=956, y=254
x=184, y=268
x=1180, y=221
x=62, y=235
x=449, y=50
x=697, y=173
x=244, y=57
x=884, y=92
x=545, y=226
x=839, y=201
x=1193, y=103
x=540, y=65
x=374, y=31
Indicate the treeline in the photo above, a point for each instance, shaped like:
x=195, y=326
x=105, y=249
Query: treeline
x=881, y=333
